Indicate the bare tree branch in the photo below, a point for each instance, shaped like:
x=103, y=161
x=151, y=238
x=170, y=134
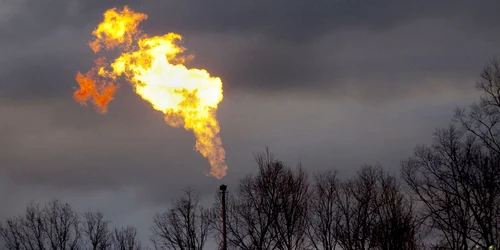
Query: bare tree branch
x=269, y=210
x=458, y=181
x=323, y=212
x=53, y=227
x=185, y=226
x=125, y=239
x=61, y=226
x=96, y=231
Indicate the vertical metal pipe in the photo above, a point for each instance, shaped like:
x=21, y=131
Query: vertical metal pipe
x=224, y=233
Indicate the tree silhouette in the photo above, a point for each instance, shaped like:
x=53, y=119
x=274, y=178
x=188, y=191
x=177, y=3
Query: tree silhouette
x=324, y=214
x=185, y=226
x=56, y=226
x=126, y=239
x=457, y=178
x=268, y=210
x=52, y=227
x=96, y=231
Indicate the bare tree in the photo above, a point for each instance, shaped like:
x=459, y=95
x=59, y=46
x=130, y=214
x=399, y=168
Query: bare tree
x=458, y=182
x=368, y=211
x=62, y=226
x=253, y=207
x=125, y=239
x=323, y=212
x=185, y=226
x=12, y=236
x=482, y=122
x=457, y=178
x=53, y=227
x=56, y=226
x=291, y=222
x=96, y=231
x=33, y=228
x=247, y=227
x=269, y=210
x=355, y=202
x=482, y=119
x=397, y=226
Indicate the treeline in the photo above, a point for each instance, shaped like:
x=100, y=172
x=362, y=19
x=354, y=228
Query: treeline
x=279, y=208
x=57, y=226
x=446, y=196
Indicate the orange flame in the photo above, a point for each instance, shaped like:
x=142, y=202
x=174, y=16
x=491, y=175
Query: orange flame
x=118, y=28
x=187, y=97
x=99, y=90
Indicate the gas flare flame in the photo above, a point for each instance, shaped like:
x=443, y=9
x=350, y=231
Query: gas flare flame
x=154, y=67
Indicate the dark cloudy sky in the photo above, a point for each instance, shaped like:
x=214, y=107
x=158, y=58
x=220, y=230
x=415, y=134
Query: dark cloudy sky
x=333, y=83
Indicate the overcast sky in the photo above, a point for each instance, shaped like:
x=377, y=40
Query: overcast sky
x=332, y=83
